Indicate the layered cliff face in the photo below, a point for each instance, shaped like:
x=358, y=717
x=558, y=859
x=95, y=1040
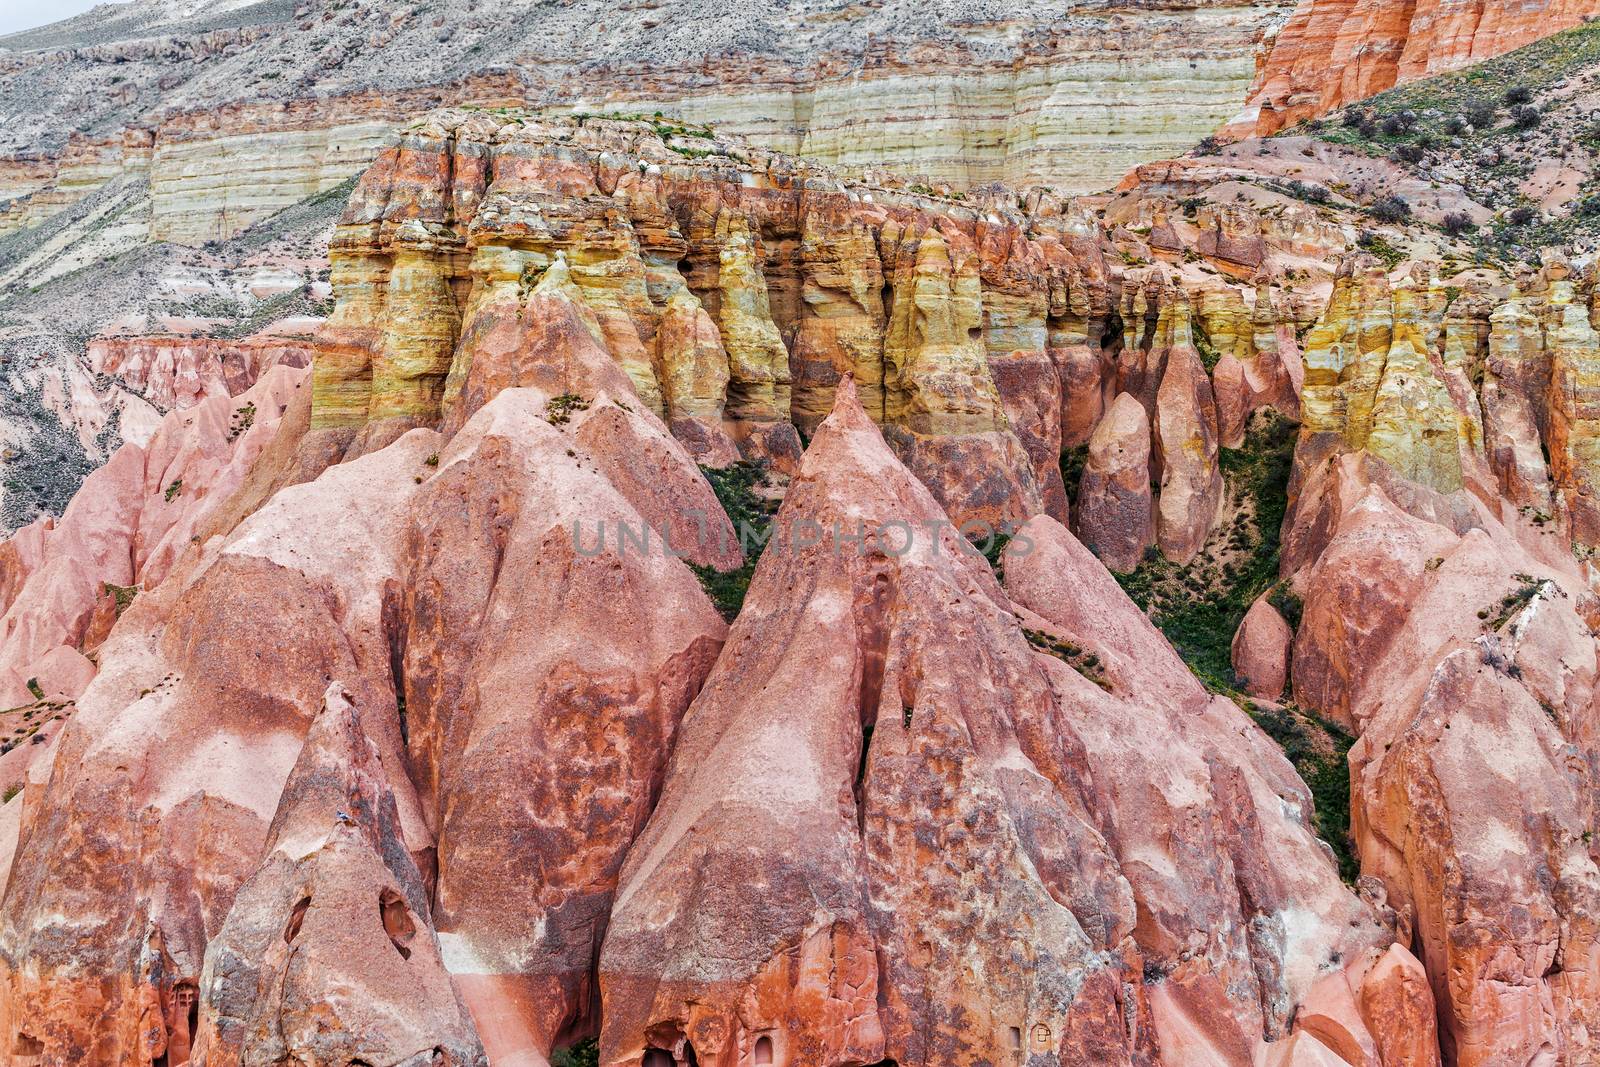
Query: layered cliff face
x=1334, y=52
x=231, y=112
x=440, y=613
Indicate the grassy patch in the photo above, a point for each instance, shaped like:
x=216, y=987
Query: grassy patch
x=1209, y=356
x=124, y=595
x=1380, y=247
x=559, y=411
x=241, y=420
x=1319, y=750
x=1081, y=660
x=1499, y=614
x=1073, y=460
x=751, y=514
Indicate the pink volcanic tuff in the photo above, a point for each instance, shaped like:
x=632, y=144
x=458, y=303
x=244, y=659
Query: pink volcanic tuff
x=133, y=843
x=1260, y=651
x=1185, y=425
x=377, y=572
x=1464, y=659
x=1115, y=514
x=546, y=668
x=1210, y=825
x=327, y=954
x=128, y=525
x=840, y=895
x=178, y=372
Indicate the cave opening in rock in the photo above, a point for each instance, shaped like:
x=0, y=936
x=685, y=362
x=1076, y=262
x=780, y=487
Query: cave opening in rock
x=763, y=1053
x=656, y=1057
x=396, y=922
x=296, y=917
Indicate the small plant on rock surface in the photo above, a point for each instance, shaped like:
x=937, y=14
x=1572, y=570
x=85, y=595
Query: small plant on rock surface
x=559, y=411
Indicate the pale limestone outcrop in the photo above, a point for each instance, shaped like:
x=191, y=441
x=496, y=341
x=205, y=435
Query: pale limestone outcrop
x=230, y=125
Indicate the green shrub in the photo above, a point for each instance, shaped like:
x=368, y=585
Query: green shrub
x=751, y=515
x=1391, y=209
x=585, y=1053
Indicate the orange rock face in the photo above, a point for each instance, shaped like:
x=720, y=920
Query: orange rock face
x=327, y=954
x=1371, y=45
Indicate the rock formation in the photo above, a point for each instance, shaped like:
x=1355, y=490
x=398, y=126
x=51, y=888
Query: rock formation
x=388, y=713
x=370, y=600
x=1114, y=515
x=231, y=113
x=1260, y=651
x=327, y=954
x=1373, y=46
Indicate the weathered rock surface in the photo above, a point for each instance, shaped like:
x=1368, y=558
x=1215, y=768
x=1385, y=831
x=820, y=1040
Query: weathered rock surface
x=785, y=841
x=231, y=112
x=377, y=573
x=1217, y=898
x=1433, y=622
x=136, y=517
x=732, y=305
x=541, y=709
x=327, y=954
x=178, y=372
x=1114, y=516
x=900, y=811
x=1261, y=651
x=1185, y=427
x=1372, y=46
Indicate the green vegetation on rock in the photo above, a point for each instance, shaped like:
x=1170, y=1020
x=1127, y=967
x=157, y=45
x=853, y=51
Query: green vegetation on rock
x=737, y=488
x=1319, y=751
x=585, y=1053
x=1487, y=127
x=1199, y=607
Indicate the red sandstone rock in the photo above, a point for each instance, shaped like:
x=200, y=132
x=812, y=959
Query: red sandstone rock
x=546, y=668
x=134, y=518
x=1463, y=662
x=1215, y=898
x=1261, y=651
x=132, y=851
x=1397, y=1006
x=179, y=372
x=1186, y=433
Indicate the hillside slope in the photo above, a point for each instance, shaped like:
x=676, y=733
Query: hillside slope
x=1335, y=52
x=1069, y=94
